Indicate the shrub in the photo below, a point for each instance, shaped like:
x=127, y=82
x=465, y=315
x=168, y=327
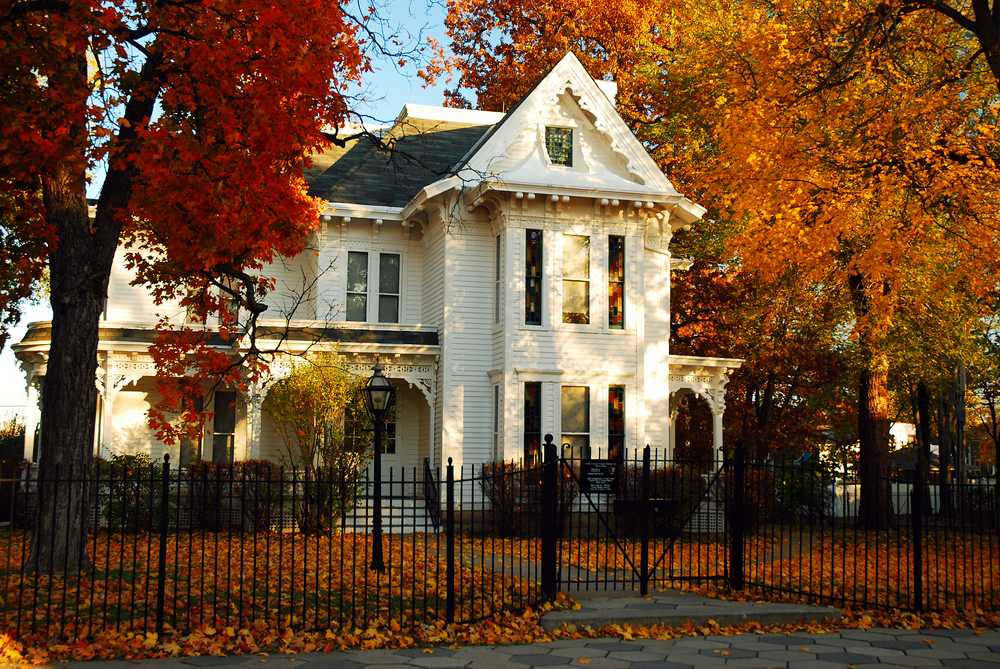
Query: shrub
x=205, y=487
x=258, y=485
x=802, y=493
x=757, y=506
x=503, y=484
x=127, y=491
x=683, y=484
x=322, y=495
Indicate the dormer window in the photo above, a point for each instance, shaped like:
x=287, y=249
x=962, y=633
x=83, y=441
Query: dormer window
x=559, y=145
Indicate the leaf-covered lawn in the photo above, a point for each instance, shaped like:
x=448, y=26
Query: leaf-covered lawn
x=223, y=580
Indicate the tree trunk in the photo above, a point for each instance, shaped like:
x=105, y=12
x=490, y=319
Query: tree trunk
x=944, y=456
x=924, y=450
x=960, y=452
x=79, y=270
x=875, y=508
x=875, y=511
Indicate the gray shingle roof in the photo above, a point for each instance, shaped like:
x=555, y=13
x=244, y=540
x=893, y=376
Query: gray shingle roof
x=422, y=152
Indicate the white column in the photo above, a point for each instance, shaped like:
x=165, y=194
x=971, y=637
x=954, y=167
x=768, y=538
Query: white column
x=31, y=419
x=717, y=412
x=107, y=428
x=254, y=426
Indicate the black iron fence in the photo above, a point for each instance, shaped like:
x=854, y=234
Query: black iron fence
x=257, y=544
x=234, y=546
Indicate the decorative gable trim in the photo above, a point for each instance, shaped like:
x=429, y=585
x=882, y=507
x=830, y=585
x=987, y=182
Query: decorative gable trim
x=523, y=123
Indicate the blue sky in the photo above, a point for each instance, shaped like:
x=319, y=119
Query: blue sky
x=386, y=91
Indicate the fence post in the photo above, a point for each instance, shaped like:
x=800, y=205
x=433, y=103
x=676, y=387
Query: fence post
x=161, y=571
x=450, y=530
x=550, y=521
x=916, y=513
x=738, y=513
x=644, y=528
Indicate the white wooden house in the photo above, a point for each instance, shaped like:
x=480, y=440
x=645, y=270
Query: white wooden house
x=512, y=272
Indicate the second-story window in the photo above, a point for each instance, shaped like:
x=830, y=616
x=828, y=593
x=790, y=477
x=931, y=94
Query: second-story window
x=533, y=278
x=360, y=278
x=616, y=283
x=576, y=279
x=357, y=286
x=388, y=288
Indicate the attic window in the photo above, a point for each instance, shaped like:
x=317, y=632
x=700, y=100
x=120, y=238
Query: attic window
x=559, y=145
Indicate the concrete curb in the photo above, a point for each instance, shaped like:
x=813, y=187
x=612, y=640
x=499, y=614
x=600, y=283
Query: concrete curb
x=676, y=609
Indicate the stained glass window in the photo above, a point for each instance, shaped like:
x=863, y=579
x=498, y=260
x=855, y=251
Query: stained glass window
x=616, y=422
x=532, y=423
x=616, y=283
x=533, y=278
x=559, y=145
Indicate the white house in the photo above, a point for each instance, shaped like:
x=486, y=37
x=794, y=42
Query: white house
x=511, y=271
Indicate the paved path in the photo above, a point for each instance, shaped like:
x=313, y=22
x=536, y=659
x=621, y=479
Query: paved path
x=600, y=608
x=861, y=649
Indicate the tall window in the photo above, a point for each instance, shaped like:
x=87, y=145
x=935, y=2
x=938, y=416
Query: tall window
x=497, y=273
x=388, y=288
x=616, y=422
x=559, y=145
x=532, y=423
x=576, y=279
x=616, y=283
x=533, y=278
x=224, y=426
x=357, y=286
x=576, y=422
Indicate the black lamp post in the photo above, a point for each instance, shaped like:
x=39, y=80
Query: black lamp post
x=379, y=395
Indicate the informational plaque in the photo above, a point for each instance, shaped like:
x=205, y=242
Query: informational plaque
x=599, y=476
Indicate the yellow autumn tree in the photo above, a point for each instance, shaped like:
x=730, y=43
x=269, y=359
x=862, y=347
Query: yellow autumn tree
x=839, y=139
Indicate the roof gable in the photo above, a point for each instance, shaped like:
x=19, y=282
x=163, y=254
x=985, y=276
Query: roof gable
x=606, y=155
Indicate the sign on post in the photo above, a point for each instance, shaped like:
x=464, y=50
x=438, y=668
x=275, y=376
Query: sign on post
x=599, y=477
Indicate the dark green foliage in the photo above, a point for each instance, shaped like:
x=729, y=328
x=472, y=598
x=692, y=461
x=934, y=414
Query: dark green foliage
x=258, y=485
x=322, y=495
x=127, y=492
x=682, y=484
x=204, y=487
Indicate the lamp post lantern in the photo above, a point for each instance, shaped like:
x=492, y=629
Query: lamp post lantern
x=379, y=395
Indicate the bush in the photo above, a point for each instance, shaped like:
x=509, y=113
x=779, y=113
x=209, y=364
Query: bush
x=757, y=506
x=128, y=492
x=503, y=484
x=258, y=485
x=802, y=493
x=322, y=495
x=684, y=485
x=208, y=484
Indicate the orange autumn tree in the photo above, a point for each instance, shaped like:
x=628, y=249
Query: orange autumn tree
x=838, y=139
x=200, y=113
